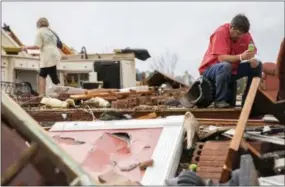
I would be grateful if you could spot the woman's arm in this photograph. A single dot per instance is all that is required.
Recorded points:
(38, 43)
(33, 47)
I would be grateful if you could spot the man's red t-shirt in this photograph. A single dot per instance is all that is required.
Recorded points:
(221, 44)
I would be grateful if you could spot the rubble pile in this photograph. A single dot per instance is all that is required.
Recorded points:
(221, 147)
(259, 159)
(163, 132)
(109, 98)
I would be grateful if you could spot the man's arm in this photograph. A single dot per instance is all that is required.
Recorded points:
(229, 58)
(245, 56)
(221, 48)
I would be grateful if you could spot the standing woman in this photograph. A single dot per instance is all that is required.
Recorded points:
(46, 42)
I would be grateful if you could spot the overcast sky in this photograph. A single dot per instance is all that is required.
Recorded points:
(183, 28)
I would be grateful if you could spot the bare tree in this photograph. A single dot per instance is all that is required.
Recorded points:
(165, 63)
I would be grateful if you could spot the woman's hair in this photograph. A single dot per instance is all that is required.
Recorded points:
(42, 22)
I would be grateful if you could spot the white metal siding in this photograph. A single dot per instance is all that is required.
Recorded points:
(128, 74)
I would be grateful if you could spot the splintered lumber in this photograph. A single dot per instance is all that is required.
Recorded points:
(89, 96)
(248, 146)
(105, 94)
(151, 115)
(33, 132)
(239, 131)
(110, 98)
(146, 164)
(100, 90)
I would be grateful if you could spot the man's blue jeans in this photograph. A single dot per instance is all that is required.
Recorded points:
(226, 85)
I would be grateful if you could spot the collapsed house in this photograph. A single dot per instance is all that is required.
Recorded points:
(122, 134)
(75, 69)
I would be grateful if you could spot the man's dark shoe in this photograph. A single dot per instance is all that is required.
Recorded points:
(221, 104)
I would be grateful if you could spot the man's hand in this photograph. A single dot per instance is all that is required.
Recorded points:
(253, 63)
(247, 55)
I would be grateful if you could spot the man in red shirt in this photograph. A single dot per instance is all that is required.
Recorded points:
(228, 59)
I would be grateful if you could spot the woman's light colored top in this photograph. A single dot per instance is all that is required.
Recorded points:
(47, 42)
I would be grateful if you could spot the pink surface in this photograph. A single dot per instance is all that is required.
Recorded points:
(99, 151)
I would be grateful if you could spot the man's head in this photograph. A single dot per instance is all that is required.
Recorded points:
(239, 26)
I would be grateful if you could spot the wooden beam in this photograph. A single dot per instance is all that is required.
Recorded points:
(239, 131)
(248, 146)
(31, 130)
(235, 143)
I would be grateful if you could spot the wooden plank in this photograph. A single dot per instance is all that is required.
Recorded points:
(252, 149)
(148, 116)
(91, 91)
(239, 131)
(31, 130)
(105, 94)
(236, 140)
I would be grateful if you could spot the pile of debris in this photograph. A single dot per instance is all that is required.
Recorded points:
(128, 151)
(128, 136)
(215, 152)
(212, 161)
(68, 97)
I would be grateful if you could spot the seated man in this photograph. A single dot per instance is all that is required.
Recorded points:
(228, 47)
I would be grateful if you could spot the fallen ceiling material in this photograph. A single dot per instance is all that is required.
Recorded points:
(156, 142)
(54, 115)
